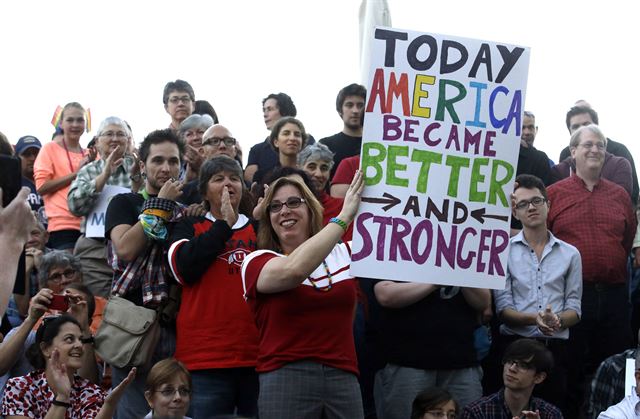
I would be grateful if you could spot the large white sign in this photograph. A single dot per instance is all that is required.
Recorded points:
(439, 153)
(95, 220)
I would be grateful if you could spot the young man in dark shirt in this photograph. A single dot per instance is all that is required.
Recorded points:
(526, 363)
(350, 106)
(136, 226)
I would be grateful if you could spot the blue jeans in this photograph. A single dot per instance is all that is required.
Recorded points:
(132, 404)
(224, 391)
(308, 390)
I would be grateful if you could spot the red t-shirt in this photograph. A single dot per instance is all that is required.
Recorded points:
(305, 323)
(346, 171)
(215, 328)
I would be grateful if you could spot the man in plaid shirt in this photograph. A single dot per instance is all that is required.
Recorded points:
(596, 216)
(526, 363)
(137, 224)
(607, 387)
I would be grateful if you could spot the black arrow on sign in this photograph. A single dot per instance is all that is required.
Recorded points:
(390, 201)
(479, 214)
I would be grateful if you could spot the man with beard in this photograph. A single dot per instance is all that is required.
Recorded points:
(350, 107)
(136, 226)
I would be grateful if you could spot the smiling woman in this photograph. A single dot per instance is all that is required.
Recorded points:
(303, 300)
(55, 168)
(168, 390)
(54, 390)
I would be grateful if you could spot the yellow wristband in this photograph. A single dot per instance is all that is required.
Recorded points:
(165, 215)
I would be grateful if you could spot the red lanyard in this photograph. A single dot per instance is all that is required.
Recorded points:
(64, 143)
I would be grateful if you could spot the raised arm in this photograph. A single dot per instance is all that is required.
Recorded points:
(284, 273)
(16, 222)
(401, 294)
(13, 345)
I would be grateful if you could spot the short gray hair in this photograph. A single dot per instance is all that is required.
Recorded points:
(113, 120)
(54, 259)
(315, 151)
(575, 137)
(195, 121)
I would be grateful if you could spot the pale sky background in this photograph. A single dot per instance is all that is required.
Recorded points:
(116, 56)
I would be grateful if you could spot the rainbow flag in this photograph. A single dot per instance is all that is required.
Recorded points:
(87, 116)
(57, 115)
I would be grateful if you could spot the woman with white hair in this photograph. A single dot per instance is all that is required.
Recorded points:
(115, 167)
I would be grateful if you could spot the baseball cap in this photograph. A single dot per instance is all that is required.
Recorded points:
(28, 141)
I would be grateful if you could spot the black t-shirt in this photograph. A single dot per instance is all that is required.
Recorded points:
(263, 155)
(343, 146)
(532, 161)
(35, 201)
(437, 332)
(123, 209)
(190, 194)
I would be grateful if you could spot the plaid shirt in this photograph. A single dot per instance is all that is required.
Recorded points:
(600, 223)
(82, 193)
(495, 407)
(607, 387)
(150, 271)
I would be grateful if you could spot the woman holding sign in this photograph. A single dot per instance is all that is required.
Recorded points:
(303, 299)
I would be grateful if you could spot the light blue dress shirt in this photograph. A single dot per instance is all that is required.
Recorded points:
(531, 284)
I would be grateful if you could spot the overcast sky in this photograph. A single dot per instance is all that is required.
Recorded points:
(116, 56)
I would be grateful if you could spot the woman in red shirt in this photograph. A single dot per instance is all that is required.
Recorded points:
(303, 300)
(217, 338)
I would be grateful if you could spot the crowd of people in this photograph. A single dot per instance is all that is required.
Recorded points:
(245, 273)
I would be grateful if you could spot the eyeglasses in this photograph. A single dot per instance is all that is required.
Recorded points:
(537, 201)
(441, 414)
(589, 146)
(215, 141)
(293, 202)
(183, 99)
(110, 134)
(170, 391)
(520, 365)
(57, 277)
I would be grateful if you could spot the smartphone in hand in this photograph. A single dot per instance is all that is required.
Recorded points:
(59, 302)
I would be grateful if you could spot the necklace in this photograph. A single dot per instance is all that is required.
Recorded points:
(66, 149)
(329, 277)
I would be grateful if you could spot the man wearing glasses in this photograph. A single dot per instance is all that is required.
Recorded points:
(216, 141)
(582, 114)
(542, 296)
(596, 216)
(179, 101)
(618, 166)
(526, 363)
